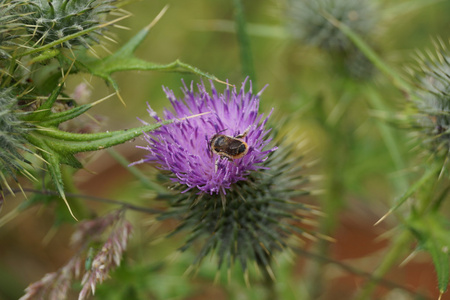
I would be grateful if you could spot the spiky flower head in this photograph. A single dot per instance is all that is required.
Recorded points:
(309, 21)
(432, 100)
(183, 148)
(8, 28)
(52, 20)
(260, 214)
(12, 131)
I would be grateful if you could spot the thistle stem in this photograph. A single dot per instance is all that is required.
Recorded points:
(332, 202)
(248, 68)
(138, 174)
(124, 204)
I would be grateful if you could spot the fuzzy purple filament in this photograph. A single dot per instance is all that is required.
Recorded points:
(183, 148)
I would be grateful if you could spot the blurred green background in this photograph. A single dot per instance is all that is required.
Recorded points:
(332, 112)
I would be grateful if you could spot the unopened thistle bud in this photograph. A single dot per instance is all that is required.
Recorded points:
(309, 23)
(48, 21)
(236, 191)
(432, 101)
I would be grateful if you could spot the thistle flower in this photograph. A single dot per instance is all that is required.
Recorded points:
(184, 148)
(261, 215)
(433, 101)
(48, 21)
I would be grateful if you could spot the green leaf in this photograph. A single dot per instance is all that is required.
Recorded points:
(248, 68)
(70, 143)
(431, 232)
(58, 147)
(45, 109)
(57, 118)
(125, 60)
(53, 165)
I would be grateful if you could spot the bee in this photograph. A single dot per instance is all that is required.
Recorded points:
(228, 146)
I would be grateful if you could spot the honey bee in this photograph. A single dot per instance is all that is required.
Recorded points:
(228, 146)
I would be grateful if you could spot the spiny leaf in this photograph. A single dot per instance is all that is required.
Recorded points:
(58, 147)
(124, 60)
(45, 109)
(432, 233)
(57, 118)
(53, 167)
(67, 142)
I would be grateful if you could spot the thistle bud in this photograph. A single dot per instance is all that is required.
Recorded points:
(309, 23)
(12, 141)
(48, 21)
(432, 99)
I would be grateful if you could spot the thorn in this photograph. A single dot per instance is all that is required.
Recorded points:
(110, 39)
(103, 99)
(270, 272)
(68, 206)
(113, 21)
(224, 200)
(408, 259)
(120, 98)
(326, 237)
(309, 236)
(157, 18)
(247, 279)
(224, 82)
(6, 184)
(121, 27)
(68, 72)
(193, 116)
(23, 192)
(216, 278)
(188, 270)
(9, 216)
(383, 217)
(90, 171)
(106, 49)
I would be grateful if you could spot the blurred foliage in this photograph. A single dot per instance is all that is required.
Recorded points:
(370, 160)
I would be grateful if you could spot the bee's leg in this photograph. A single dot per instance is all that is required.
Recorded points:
(216, 164)
(233, 160)
(243, 135)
